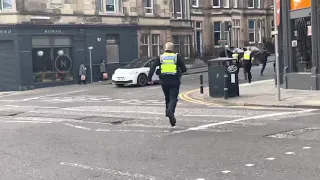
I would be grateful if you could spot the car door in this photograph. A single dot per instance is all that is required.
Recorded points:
(155, 77)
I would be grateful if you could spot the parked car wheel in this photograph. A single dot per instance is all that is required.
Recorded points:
(142, 80)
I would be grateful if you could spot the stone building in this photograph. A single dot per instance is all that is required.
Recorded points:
(239, 22)
(43, 42)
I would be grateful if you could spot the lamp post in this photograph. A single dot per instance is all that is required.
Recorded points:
(276, 45)
(90, 49)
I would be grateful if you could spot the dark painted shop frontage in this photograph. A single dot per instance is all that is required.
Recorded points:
(34, 56)
(299, 40)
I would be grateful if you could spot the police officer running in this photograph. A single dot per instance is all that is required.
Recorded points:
(170, 64)
(247, 64)
(236, 58)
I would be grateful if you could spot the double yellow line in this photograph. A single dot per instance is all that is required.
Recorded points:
(186, 97)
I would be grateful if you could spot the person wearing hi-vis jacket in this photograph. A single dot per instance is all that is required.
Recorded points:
(247, 63)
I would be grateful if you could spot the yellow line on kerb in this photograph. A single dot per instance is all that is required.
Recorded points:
(185, 96)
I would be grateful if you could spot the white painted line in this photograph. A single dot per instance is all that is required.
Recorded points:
(154, 113)
(109, 171)
(102, 130)
(249, 165)
(35, 122)
(203, 127)
(79, 127)
(200, 179)
(31, 107)
(226, 171)
(290, 153)
(271, 159)
(51, 95)
(306, 147)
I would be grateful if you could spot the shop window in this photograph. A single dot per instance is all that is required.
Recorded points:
(149, 45)
(144, 45)
(112, 48)
(155, 44)
(52, 59)
(6, 4)
(6, 45)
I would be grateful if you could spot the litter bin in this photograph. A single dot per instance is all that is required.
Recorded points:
(223, 78)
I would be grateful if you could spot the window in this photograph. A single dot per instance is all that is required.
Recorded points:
(217, 33)
(182, 45)
(144, 47)
(6, 4)
(254, 4)
(108, 6)
(177, 9)
(251, 28)
(195, 3)
(155, 44)
(149, 45)
(227, 32)
(52, 59)
(259, 31)
(251, 3)
(235, 3)
(225, 3)
(236, 33)
(112, 48)
(148, 6)
(216, 3)
(272, 25)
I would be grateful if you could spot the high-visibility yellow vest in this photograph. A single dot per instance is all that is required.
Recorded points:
(235, 56)
(168, 63)
(246, 55)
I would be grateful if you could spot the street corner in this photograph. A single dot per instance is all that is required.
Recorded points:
(195, 97)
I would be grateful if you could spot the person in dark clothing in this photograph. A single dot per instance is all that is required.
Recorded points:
(82, 73)
(264, 59)
(170, 70)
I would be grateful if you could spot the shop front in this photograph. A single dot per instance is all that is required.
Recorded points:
(41, 56)
(300, 45)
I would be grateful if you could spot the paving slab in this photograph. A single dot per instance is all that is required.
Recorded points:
(264, 93)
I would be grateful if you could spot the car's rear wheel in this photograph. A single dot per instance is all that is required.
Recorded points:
(120, 85)
(142, 80)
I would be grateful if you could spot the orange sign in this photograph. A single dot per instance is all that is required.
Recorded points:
(278, 12)
(300, 4)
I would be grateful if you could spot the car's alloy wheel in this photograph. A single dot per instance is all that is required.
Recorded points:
(142, 80)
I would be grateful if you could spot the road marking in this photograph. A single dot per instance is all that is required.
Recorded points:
(306, 147)
(271, 159)
(249, 165)
(51, 95)
(79, 127)
(226, 171)
(109, 171)
(125, 130)
(203, 127)
(290, 153)
(35, 122)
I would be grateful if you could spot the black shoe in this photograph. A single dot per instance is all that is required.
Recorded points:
(171, 118)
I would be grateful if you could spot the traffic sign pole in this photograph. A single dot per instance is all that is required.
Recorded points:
(276, 41)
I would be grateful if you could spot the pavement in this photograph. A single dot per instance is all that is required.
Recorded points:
(99, 131)
(263, 93)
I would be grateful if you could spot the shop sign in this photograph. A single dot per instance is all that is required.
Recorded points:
(300, 4)
(52, 31)
(5, 31)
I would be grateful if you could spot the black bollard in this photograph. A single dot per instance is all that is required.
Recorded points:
(226, 86)
(201, 83)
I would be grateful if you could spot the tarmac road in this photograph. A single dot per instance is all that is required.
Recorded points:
(102, 132)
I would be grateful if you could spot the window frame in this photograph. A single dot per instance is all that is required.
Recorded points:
(155, 44)
(148, 8)
(250, 31)
(235, 3)
(103, 7)
(227, 5)
(142, 42)
(179, 14)
(258, 5)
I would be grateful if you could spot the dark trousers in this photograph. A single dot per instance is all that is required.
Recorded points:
(247, 68)
(264, 64)
(171, 92)
(81, 81)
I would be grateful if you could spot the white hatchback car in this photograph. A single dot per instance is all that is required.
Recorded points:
(135, 73)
